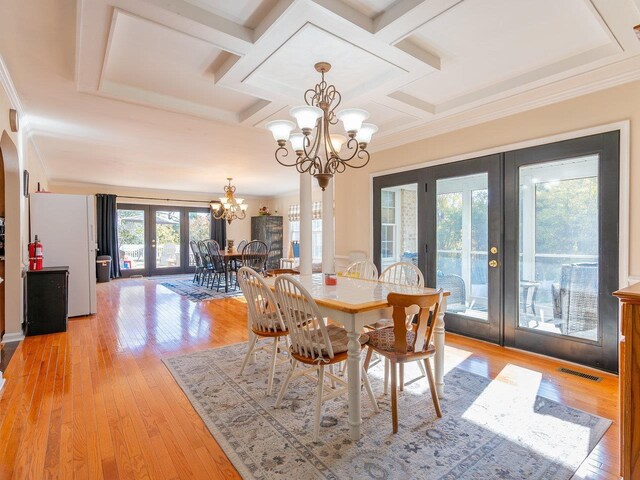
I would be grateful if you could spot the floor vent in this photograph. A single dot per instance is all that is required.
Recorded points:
(593, 378)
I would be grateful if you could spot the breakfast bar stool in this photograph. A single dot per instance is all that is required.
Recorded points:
(404, 342)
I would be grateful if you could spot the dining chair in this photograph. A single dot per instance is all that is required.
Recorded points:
(219, 270)
(403, 273)
(207, 265)
(195, 251)
(265, 319)
(254, 255)
(406, 274)
(364, 269)
(402, 343)
(315, 344)
(241, 245)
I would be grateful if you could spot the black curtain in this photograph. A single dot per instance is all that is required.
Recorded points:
(219, 231)
(107, 220)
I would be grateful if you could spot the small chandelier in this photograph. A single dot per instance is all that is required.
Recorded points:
(317, 150)
(229, 207)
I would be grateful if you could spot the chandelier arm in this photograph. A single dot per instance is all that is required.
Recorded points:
(283, 152)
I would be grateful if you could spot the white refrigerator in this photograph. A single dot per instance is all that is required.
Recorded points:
(66, 226)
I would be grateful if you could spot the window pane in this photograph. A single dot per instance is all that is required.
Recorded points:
(399, 224)
(559, 247)
(462, 214)
(167, 239)
(131, 228)
(199, 229)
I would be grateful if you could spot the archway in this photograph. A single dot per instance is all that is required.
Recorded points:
(13, 240)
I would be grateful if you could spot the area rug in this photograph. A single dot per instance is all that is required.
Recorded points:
(489, 429)
(183, 285)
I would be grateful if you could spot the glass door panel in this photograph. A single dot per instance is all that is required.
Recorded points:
(399, 225)
(199, 229)
(462, 243)
(132, 233)
(559, 272)
(166, 240)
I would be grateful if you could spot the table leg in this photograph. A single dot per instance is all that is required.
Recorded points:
(438, 340)
(354, 379)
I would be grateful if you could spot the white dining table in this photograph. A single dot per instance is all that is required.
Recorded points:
(354, 303)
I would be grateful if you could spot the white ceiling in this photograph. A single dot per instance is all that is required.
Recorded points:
(174, 94)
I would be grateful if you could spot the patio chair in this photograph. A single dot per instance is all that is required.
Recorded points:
(454, 284)
(575, 299)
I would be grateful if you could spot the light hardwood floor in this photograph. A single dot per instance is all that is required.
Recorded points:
(97, 402)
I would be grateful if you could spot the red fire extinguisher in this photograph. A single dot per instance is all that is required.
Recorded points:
(35, 255)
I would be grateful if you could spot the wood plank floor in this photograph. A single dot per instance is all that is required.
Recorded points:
(97, 402)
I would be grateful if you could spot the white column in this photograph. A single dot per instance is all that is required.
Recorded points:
(306, 215)
(328, 236)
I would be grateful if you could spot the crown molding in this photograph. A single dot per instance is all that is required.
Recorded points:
(517, 104)
(9, 88)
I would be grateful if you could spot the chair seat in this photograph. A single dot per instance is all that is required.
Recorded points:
(339, 343)
(384, 340)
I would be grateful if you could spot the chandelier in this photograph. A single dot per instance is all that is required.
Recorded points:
(229, 207)
(317, 150)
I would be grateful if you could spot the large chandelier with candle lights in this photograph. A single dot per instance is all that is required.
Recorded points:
(229, 207)
(316, 149)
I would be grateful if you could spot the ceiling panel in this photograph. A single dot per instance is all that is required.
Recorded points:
(244, 12)
(290, 69)
(482, 42)
(151, 57)
(370, 8)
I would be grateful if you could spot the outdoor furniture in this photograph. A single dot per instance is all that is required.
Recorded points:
(355, 303)
(575, 299)
(316, 345)
(265, 319)
(362, 269)
(404, 342)
(457, 301)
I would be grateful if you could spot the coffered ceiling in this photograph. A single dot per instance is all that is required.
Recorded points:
(175, 93)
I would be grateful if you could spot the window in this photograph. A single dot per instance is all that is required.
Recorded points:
(316, 228)
(388, 230)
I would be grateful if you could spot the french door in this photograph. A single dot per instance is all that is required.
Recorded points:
(526, 242)
(154, 240)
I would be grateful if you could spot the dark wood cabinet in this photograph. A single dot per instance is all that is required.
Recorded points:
(46, 295)
(268, 229)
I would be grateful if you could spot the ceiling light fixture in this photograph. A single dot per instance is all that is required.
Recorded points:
(317, 149)
(229, 207)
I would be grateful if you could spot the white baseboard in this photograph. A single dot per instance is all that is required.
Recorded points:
(12, 337)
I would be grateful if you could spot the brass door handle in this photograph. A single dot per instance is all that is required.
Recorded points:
(493, 263)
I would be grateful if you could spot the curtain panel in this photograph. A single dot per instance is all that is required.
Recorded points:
(107, 226)
(316, 212)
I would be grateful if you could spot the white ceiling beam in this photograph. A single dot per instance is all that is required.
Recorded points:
(347, 12)
(413, 102)
(618, 19)
(407, 46)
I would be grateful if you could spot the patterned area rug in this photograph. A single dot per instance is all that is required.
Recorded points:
(489, 429)
(184, 286)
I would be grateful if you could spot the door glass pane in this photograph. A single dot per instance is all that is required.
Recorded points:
(462, 243)
(199, 229)
(167, 239)
(399, 225)
(559, 247)
(131, 228)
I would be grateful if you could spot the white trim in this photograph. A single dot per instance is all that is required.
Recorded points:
(12, 337)
(623, 126)
(7, 83)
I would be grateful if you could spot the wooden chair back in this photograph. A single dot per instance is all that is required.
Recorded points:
(307, 330)
(254, 255)
(403, 273)
(428, 306)
(217, 261)
(364, 269)
(264, 314)
(204, 255)
(195, 250)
